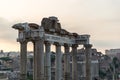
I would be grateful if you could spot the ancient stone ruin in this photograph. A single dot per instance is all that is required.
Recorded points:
(48, 33)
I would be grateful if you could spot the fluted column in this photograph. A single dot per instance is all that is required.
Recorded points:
(39, 59)
(47, 61)
(74, 62)
(58, 63)
(23, 60)
(66, 62)
(88, 61)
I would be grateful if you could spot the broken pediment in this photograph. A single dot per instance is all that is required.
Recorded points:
(51, 24)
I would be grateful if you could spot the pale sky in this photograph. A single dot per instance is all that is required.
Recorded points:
(99, 18)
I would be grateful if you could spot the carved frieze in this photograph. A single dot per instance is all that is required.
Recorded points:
(51, 24)
(50, 30)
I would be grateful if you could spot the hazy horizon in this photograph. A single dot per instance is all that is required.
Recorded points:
(99, 18)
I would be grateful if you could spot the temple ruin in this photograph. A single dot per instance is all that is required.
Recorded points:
(49, 33)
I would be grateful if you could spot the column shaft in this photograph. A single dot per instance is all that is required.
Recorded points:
(39, 59)
(58, 63)
(47, 62)
(74, 63)
(34, 62)
(23, 61)
(88, 61)
(67, 63)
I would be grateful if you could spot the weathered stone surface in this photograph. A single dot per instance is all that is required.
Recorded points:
(67, 62)
(50, 31)
(58, 62)
(51, 24)
(33, 26)
(47, 61)
(23, 60)
(39, 59)
(88, 61)
(74, 62)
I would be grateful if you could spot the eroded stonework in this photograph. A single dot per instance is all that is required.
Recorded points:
(49, 31)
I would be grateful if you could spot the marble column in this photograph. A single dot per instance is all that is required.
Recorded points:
(38, 59)
(58, 63)
(88, 61)
(74, 62)
(66, 62)
(34, 61)
(23, 60)
(47, 61)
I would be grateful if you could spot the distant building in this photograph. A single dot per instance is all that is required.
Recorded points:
(95, 58)
(2, 53)
(113, 53)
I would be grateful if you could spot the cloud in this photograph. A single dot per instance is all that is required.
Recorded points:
(99, 18)
(7, 36)
(6, 31)
(104, 32)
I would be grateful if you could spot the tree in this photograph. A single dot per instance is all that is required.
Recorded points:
(5, 58)
(53, 57)
(114, 66)
(102, 74)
